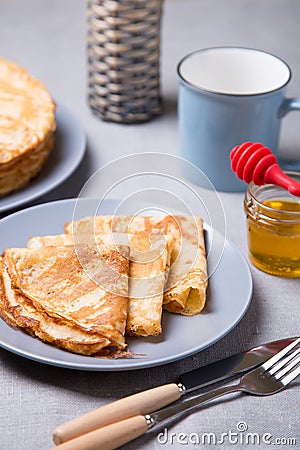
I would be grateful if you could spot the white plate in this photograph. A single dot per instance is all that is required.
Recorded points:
(63, 160)
(229, 295)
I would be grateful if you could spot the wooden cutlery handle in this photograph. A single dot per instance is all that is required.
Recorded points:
(138, 404)
(110, 437)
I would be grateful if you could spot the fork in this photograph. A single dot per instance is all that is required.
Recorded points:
(271, 377)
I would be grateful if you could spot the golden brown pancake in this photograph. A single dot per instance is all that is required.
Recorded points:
(148, 270)
(18, 311)
(148, 275)
(47, 292)
(83, 291)
(27, 126)
(185, 290)
(187, 283)
(4, 310)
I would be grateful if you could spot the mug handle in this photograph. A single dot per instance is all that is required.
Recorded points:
(289, 104)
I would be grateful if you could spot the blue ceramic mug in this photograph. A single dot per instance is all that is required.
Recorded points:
(227, 96)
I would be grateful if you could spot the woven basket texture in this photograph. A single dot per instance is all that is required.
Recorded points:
(123, 50)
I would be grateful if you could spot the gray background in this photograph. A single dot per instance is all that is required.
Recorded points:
(48, 38)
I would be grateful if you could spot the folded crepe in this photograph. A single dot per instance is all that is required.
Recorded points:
(47, 292)
(148, 269)
(185, 290)
(187, 282)
(18, 311)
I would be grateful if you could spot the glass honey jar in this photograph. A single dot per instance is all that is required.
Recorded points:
(273, 227)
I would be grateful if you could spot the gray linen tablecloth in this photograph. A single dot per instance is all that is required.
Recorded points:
(48, 38)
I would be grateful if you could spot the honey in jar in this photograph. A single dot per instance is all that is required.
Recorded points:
(273, 226)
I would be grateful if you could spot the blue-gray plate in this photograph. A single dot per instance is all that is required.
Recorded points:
(229, 295)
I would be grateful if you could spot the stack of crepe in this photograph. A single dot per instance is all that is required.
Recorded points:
(105, 277)
(27, 126)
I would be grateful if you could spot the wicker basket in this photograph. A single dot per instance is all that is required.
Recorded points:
(123, 49)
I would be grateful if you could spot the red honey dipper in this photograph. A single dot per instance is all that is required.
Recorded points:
(255, 162)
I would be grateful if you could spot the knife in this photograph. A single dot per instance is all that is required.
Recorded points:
(153, 399)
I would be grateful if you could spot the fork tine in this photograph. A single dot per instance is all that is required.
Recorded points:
(287, 368)
(283, 362)
(290, 377)
(270, 362)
